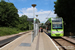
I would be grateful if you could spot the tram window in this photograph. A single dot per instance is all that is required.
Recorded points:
(49, 26)
(57, 26)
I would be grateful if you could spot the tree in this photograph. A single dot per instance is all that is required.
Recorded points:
(43, 25)
(23, 23)
(8, 14)
(66, 10)
(2, 0)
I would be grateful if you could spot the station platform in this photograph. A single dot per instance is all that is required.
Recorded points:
(41, 42)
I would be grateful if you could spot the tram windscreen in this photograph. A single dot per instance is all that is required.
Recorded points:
(57, 23)
(57, 26)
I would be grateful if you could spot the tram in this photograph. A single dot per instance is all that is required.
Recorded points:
(55, 27)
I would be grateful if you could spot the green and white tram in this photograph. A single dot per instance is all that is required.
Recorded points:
(55, 27)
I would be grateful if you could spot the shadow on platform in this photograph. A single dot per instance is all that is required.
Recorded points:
(25, 44)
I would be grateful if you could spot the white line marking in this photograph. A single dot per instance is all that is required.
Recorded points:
(53, 42)
(11, 42)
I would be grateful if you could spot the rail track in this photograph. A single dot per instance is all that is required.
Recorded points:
(64, 44)
(8, 40)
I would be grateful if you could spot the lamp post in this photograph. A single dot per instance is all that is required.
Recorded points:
(36, 15)
(33, 35)
(33, 5)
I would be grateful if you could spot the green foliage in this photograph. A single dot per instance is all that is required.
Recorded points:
(9, 19)
(8, 14)
(30, 26)
(66, 10)
(10, 22)
(23, 23)
(8, 31)
(2, 0)
(43, 25)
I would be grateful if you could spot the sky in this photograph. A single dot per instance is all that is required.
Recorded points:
(44, 8)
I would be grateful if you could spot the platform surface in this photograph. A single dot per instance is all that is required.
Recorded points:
(41, 42)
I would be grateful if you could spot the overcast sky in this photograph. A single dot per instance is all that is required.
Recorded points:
(44, 8)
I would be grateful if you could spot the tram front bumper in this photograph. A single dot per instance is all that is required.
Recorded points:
(57, 35)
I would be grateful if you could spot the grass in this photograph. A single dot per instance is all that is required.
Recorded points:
(8, 31)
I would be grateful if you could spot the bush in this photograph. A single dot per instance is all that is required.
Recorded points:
(8, 31)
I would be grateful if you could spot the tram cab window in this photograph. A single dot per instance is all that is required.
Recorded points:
(49, 26)
(57, 26)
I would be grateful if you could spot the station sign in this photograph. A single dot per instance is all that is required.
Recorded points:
(34, 19)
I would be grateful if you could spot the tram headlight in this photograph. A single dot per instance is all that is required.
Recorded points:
(61, 32)
(53, 32)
